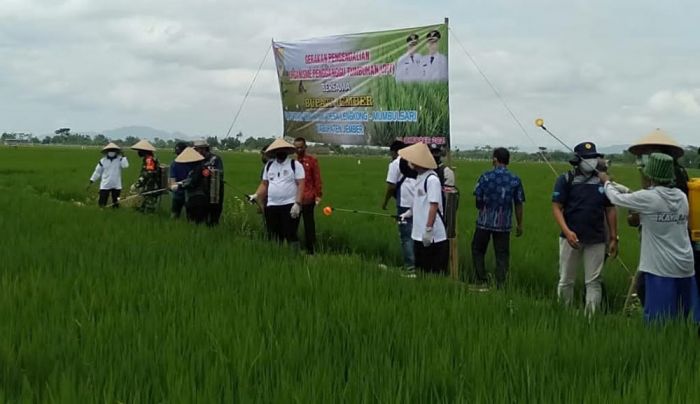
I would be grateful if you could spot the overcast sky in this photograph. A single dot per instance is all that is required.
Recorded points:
(608, 71)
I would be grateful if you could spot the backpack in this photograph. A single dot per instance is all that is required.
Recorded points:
(439, 211)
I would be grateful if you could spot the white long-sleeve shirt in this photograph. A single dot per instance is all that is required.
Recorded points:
(663, 213)
(109, 172)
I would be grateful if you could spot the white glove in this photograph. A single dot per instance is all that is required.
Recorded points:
(252, 198)
(175, 187)
(621, 188)
(428, 236)
(406, 215)
(132, 188)
(296, 211)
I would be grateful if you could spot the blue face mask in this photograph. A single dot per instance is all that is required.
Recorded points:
(111, 154)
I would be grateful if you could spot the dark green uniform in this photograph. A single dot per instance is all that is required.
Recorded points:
(149, 181)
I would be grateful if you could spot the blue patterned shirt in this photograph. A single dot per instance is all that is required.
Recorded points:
(496, 192)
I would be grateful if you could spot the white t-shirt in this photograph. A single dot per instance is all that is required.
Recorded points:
(109, 172)
(435, 67)
(394, 176)
(663, 213)
(409, 68)
(282, 181)
(421, 207)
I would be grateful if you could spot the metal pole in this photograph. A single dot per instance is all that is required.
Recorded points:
(454, 253)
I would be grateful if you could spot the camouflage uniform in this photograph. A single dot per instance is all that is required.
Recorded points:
(149, 180)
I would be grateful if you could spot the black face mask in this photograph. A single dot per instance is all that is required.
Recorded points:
(142, 154)
(281, 156)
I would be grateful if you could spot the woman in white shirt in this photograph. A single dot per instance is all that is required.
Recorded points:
(109, 172)
(430, 245)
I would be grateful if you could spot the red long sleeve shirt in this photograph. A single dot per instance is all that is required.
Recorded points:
(312, 179)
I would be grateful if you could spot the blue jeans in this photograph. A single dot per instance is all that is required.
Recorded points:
(405, 230)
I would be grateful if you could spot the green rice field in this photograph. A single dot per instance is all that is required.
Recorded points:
(112, 306)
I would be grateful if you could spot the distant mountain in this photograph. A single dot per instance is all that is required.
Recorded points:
(615, 149)
(143, 132)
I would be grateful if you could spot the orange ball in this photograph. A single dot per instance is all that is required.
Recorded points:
(327, 211)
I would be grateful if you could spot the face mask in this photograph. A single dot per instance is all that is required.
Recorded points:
(588, 166)
(111, 154)
(281, 156)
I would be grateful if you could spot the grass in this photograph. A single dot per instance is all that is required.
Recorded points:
(112, 306)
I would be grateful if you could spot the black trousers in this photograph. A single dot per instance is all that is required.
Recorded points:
(501, 247)
(280, 225)
(307, 212)
(197, 209)
(214, 213)
(178, 203)
(432, 259)
(104, 195)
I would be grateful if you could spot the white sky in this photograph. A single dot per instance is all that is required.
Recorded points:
(600, 70)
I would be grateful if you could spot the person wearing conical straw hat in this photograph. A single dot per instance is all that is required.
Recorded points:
(430, 245)
(666, 256)
(109, 172)
(216, 166)
(283, 184)
(195, 186)
(150, 178)
(658, 141)
(178, 173)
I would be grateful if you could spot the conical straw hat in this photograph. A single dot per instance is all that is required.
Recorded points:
(419, 155)
(189, 155)
(111, 146)
(143, 145)
(280, 144)
(657, 140)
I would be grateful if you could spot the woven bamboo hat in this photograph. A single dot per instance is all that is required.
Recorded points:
(189, 155)
(111, 146)
(280, 145)
(419, 155)
(659, 168)
(657, 141)
(143, 145)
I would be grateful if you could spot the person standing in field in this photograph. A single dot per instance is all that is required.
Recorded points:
(659, 142)
(313, 191)
(109, 172)
(216, 168)
(445, 173)
(178, 173)
(149, 182)
(428, 230)
(195, 186)
(498, 192)
(401, 188)
(283, 183)
(581, 210)
(666, 256)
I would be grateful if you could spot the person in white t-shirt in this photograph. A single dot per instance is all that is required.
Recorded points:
(109, 172)
(283, 184)
(430, 246)
(400, 187)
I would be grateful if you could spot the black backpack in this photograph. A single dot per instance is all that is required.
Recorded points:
(294, 166)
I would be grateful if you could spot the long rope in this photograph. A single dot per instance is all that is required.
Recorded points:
(503, 101)
(247, 93)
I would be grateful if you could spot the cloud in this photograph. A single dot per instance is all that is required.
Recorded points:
(588, 67)
(683, 101)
